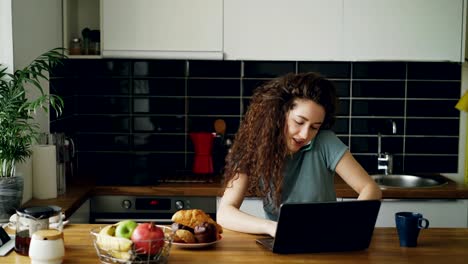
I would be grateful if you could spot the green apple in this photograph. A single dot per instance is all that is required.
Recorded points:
(125, 228)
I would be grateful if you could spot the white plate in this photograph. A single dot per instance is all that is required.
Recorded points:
(195, 245)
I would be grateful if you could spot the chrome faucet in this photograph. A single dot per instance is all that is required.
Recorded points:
(385, 160)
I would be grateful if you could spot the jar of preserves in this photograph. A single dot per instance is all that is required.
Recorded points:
(75, 47)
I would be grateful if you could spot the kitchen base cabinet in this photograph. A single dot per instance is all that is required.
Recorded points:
(440, 213)
(251, 205)
(81, 216)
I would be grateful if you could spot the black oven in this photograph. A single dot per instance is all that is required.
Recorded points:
(158, 209)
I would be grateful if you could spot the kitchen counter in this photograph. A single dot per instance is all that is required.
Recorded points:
(78, 193)
(436, 245)
(451, 190)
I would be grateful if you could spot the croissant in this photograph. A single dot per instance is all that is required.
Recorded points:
(184, 236)
(194, 217)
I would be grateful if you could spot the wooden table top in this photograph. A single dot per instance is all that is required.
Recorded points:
(435, 245)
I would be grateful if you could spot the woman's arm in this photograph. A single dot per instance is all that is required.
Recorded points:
(355, 176)
(229, 216)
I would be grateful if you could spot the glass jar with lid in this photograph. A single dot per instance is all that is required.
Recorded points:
(75, 47)
(31, 219)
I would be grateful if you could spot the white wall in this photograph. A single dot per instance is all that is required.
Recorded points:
(6, 43)
(37, 27)
(27, 29)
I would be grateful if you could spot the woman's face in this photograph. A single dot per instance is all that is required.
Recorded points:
(302, 123)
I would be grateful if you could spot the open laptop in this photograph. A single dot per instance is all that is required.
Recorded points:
(324, 227)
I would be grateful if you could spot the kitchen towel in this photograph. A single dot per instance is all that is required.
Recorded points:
(24, 169)
(44, 172)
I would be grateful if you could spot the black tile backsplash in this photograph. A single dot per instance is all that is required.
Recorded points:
(213, 69)
(434, 71)
(431, 89)
(379, 70)
(379, 89)
(213, 87)
(159, 87)
(328, 69)
(102, 86)
(160, 68)
(432, 126)
(131, 118)
(377, 107)
(159, 124)
(431, 107)
(159, 105)
(268, 69)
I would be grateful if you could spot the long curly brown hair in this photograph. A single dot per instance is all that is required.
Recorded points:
(259, 148)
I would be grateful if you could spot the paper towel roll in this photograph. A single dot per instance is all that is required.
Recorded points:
(44, 172)
(24, 169)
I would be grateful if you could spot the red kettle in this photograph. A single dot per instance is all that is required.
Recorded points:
(203, 144)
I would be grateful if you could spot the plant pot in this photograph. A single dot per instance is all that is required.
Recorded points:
(11, 195)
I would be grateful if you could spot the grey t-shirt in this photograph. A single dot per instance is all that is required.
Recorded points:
(309, 173)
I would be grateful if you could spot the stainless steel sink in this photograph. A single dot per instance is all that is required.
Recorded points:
(408, 181)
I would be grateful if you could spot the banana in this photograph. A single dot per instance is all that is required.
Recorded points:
(117, 247)
(120, 255)
(108, 230)
(106, 242)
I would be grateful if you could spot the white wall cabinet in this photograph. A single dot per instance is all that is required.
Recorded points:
(350, 30)
(422, 30)
(177, 29)
(283, 30)
(440, 213)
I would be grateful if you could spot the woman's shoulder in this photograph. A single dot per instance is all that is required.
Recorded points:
(327, 139)
(326, 135)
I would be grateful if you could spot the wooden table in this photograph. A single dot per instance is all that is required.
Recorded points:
(436, 245)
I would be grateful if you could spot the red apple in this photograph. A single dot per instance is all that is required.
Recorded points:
(148, 238)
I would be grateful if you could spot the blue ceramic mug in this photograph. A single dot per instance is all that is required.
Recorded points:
(408, 225)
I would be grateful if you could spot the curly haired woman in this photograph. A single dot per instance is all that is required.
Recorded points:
(284, 152)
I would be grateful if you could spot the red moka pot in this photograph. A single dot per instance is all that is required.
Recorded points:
(203, 160)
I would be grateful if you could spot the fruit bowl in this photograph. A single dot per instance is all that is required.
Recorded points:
(110, 251)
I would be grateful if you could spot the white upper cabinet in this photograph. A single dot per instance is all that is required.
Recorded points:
(422, 30)
(180, 29)
(283, 30)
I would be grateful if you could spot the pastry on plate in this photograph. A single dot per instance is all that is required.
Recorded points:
(198, 223)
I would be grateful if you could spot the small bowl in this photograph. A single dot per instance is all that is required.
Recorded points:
(132, 256)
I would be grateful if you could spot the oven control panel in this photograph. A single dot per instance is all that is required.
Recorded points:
(111, 208)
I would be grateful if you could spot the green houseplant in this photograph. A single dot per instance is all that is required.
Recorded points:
(18, 131)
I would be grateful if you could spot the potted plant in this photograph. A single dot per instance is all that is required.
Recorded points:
(18, 131)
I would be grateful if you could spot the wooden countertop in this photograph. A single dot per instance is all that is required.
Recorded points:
(451, 190)
(78, 193)
(436, 245)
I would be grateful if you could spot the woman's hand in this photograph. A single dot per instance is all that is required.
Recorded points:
(271, 228)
